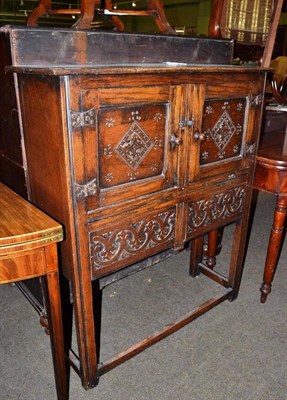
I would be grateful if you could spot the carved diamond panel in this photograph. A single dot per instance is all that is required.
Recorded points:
(131, 143)
(223, 131)
(223, 124)
(134, 146)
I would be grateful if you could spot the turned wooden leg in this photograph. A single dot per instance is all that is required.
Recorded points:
(43, 7)
(160, 17)
(274, 246)
(54, 313)
(211, 248)
(195, 255)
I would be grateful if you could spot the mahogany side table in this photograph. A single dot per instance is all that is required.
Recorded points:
(28, 249)
(271, 177)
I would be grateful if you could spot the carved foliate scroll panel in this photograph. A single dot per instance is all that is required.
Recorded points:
(131, 241)
(218, 207)
(131, 143)
(223, 126)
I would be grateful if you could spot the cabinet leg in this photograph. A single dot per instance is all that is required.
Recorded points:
(195, 255)
(274, 246)
(85, 326)
(211, 248)
(54, 313)
(238, 253)
(67, 316)
(97, 305)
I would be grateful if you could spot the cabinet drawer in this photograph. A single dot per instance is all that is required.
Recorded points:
(128, 240)
(220, 206)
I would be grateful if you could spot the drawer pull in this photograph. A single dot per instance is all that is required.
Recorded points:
(175, 141)
(199, 136)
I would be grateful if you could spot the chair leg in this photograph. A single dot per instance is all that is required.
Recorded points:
(88, 8)
(114, 19)
(43, 7)
(274, 246)
(160, 17)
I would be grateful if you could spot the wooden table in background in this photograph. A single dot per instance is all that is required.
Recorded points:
(28, 249)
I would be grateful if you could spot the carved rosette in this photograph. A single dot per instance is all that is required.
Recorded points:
(131, 240)
(222, 205)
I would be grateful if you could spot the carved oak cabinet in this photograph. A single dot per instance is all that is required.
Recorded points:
(137, 162)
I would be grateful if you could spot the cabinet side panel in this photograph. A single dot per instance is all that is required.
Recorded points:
(45, 134)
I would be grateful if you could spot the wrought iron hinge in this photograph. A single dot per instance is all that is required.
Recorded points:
(186, 124)
(256, 100)
(88, 189)
(81, 119)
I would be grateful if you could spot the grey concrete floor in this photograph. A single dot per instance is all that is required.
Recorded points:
(236, 351)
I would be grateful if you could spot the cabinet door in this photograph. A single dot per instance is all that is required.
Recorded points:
(223, 127)
(223, 124)
(125, 141)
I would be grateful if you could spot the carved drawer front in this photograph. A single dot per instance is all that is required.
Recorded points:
(210, 211)
(122, 141)
(223, 125)
(129, 240)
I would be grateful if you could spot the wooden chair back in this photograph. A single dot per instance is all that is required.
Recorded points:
(251, 23)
